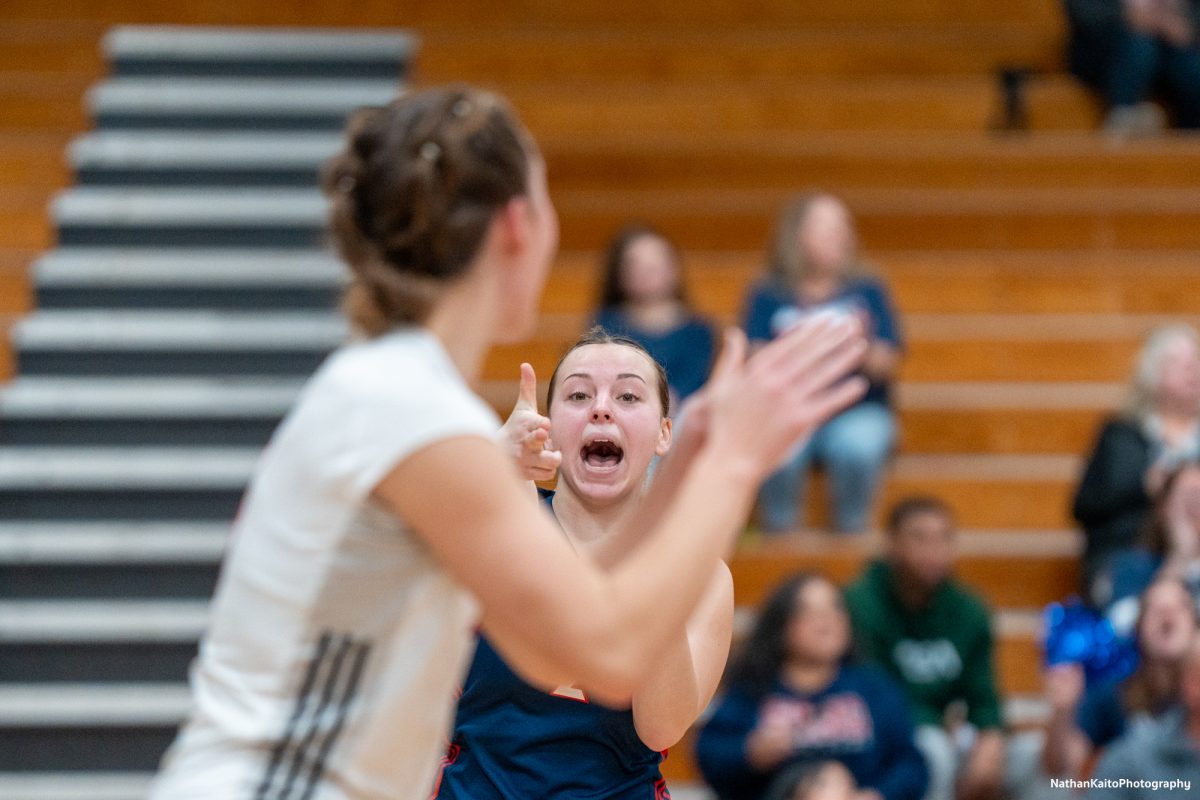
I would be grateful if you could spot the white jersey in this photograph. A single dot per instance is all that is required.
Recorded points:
(336, 642)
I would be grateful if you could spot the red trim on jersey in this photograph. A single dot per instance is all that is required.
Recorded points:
(451, 756)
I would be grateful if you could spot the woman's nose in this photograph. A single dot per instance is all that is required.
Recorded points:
(601, 412)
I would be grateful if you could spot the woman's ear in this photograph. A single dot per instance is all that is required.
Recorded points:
(511, 226)
(664, 437)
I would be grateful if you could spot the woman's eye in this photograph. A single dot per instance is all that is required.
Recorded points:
(577, 396)
(628, 397)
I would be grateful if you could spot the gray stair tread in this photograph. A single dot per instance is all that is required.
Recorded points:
(190, 42)
(91, 621)
(116, 398)
(71, 705)
(132, 149)
(161, 330)
(249, 96)
(112, 543)
(204, 468)
(242, 208)
(74, 786)
(217, 267)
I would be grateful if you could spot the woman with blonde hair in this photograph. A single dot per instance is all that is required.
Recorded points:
(814, 268)
(1158, 433)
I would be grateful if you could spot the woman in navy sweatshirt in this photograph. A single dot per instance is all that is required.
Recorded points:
(791, 698)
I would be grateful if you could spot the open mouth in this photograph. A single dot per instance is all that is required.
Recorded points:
(602, 453)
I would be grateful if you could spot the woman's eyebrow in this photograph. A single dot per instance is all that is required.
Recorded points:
(631, 375)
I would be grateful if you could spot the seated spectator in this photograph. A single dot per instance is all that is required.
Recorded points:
(822, 780)
(1084, 720)
(1165, 749)
(642, 297)
(1170, 547)
(1129, 49)
(934, 636)
(814, 266)
(1136, 451)
(792, 699)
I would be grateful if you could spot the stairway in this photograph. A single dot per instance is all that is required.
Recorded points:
(188, 298)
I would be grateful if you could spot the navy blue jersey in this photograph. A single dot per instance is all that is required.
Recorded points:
(512, 741)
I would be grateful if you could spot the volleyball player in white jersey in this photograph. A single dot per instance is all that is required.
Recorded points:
(383, 520)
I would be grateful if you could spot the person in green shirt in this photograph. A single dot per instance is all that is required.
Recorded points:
(934, 636)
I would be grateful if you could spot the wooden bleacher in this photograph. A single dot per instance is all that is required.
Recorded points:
(1027, 267)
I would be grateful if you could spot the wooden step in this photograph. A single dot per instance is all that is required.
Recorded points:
(636, 15)
(43, 101)
(26, 221)
(999, 430)
(903, 219)
(984, 281)
(706, 53)
(1047, 562)
(972, 103)
(787, 159)
(16, 290)
(33, 160)
(51, 46)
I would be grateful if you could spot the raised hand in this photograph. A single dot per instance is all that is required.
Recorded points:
(761, 407)
(526, 433)
(1064, 685)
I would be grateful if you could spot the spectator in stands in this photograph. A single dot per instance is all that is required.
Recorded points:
(792, 699)
(1129, 49)
(822, 780)
(1083, 719)
(1170, 547)
(814, 267)
(642, 297)
(1134, 453)
(934, 636)
(1166, 749)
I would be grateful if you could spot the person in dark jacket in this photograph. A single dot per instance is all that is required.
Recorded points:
(1134, 453)
(1130, 50)
(792, 699)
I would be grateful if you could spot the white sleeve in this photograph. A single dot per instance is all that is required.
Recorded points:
(383, 427)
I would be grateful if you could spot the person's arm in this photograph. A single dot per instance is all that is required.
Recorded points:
(983, 773)
(1066, 747)
(558, 618)
(686, 675)
(883, 356)
(984, 768)
(724, 744)
(1115, 478)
